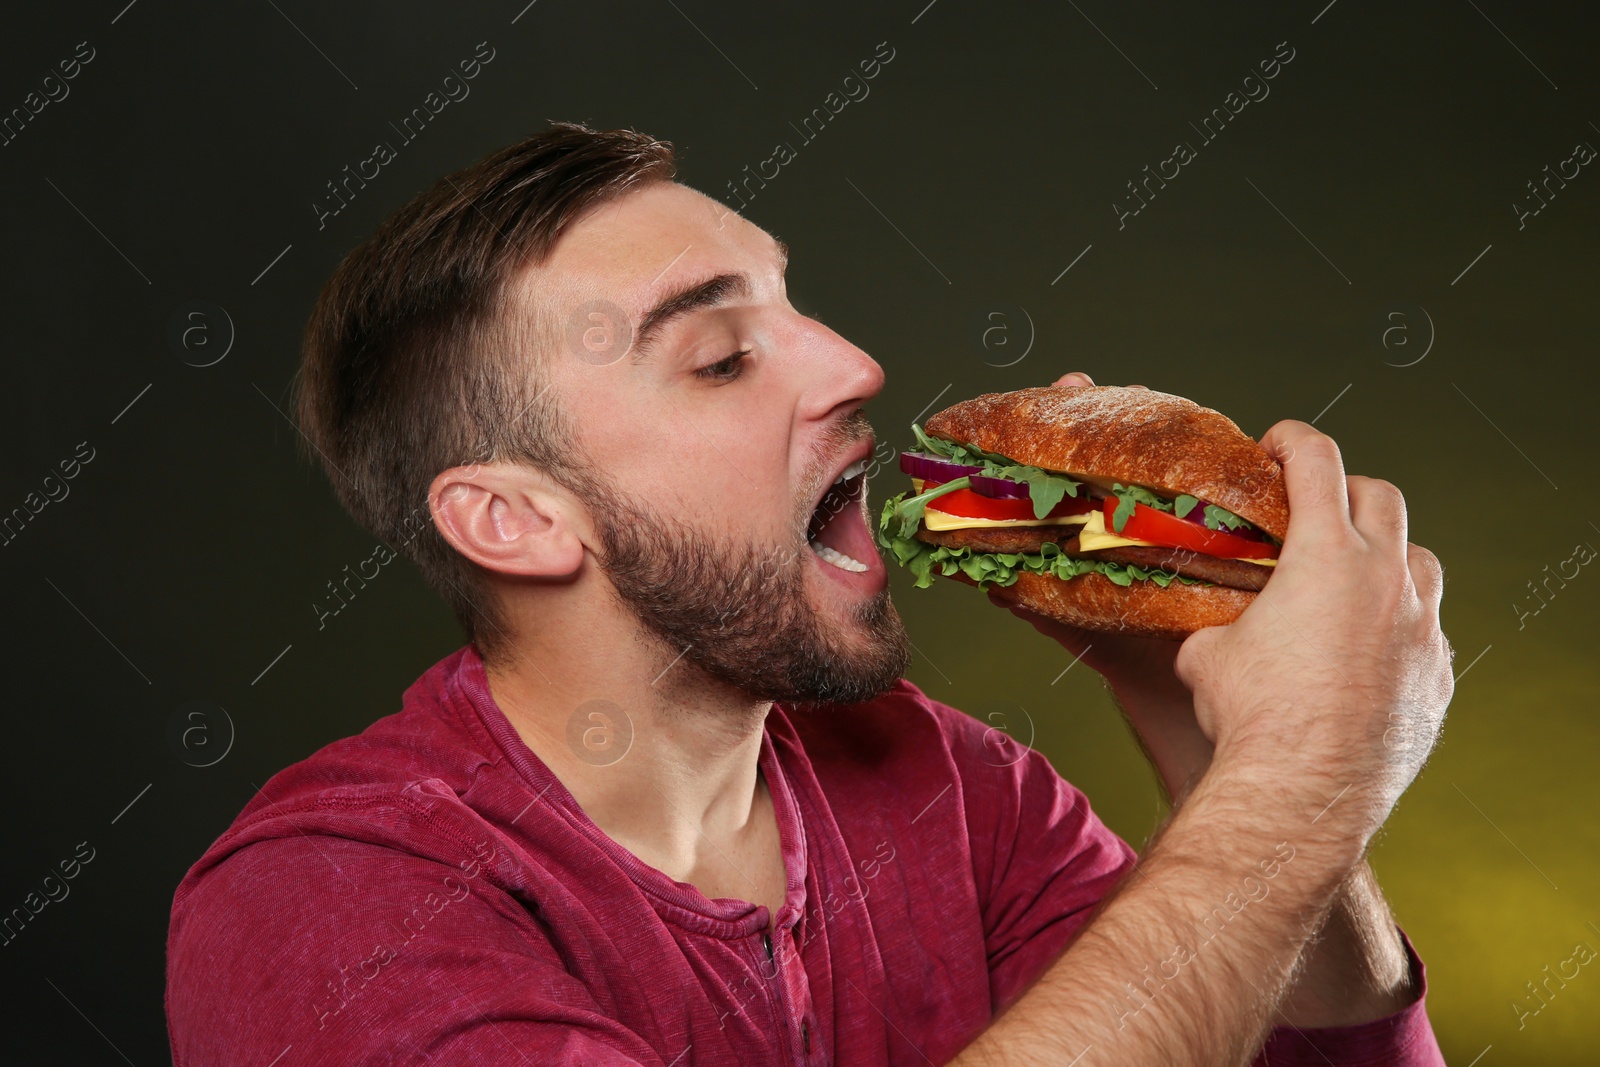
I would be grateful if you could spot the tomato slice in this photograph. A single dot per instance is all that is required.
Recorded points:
(1163, 528)
(969, 505)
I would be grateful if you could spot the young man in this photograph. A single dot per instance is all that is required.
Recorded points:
(674, 803)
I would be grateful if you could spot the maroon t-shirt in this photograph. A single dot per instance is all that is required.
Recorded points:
(428, 892)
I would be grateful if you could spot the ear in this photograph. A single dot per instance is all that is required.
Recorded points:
(508, 519)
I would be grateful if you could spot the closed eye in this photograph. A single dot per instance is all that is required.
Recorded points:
(725, 369)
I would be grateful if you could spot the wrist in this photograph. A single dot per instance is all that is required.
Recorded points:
(1324, 815)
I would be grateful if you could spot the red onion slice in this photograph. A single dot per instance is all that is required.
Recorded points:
(999, 488)
(934, 468)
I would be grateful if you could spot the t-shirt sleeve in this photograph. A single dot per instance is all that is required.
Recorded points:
(355, 953)
(1041, 858)
(1404, 1039)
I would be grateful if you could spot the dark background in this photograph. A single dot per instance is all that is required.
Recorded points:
(1384, 164)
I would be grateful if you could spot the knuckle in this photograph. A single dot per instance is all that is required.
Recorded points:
(1319, 446)
(1387, 492)
(1424, 565)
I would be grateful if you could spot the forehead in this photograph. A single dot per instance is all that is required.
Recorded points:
(639, 243)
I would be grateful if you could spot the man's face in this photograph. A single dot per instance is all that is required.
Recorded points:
(719, 426)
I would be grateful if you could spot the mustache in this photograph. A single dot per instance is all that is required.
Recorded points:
(836, 438)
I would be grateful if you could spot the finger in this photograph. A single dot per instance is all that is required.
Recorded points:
(1427, 575)
(1074, 378)
(1146, 388)
(1313, 474)
(1378, 511)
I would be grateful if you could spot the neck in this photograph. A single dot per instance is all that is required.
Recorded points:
(662, 758)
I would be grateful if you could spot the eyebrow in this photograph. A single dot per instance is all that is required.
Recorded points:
(700, 295)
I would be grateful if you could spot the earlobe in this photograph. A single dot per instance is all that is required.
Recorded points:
(505, 519)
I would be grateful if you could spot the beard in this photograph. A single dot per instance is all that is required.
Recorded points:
(739, 611)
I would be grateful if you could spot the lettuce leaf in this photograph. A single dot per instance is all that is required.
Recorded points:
(927, 561)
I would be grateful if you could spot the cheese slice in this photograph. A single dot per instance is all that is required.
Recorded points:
(1094, 536)
(935, 519)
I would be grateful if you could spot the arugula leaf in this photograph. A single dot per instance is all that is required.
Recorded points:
(968, 454)
(909, 512)
(1045, 488)
(1142, 495)
(1185, 504)
(1130, 495)
(1217, 518)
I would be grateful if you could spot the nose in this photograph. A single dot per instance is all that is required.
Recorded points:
(840, 377)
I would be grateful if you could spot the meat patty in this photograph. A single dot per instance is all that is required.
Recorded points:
(1233, 573)
(1001, 538)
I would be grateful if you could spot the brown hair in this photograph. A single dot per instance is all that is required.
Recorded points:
(416, 360)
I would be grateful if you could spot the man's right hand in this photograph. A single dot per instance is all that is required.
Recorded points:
(1339, 655)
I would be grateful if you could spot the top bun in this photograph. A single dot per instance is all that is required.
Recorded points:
(1111, 434)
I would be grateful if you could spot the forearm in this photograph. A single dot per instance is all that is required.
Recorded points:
(1354, 969)
(1187, 961)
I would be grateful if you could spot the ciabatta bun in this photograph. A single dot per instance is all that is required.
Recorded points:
(1109, 434)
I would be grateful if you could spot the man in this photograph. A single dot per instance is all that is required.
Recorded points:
(674, 804)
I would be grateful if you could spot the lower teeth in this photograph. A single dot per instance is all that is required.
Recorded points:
(837, 558)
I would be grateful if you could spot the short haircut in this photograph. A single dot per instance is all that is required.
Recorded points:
(416, 359)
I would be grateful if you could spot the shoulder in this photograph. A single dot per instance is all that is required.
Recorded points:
(409, 794)
(435, 735)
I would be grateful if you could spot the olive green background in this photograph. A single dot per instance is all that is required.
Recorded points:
(931, 223)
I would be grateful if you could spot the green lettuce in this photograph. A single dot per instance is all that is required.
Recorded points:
(926, 561)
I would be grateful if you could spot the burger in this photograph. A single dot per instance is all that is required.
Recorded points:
(1111, 509)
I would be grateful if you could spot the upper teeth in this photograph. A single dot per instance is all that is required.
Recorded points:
(851, 471)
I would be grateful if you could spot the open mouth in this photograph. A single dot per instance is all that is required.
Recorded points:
(837, 531)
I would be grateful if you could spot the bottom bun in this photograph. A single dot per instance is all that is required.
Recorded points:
(1143, 609)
